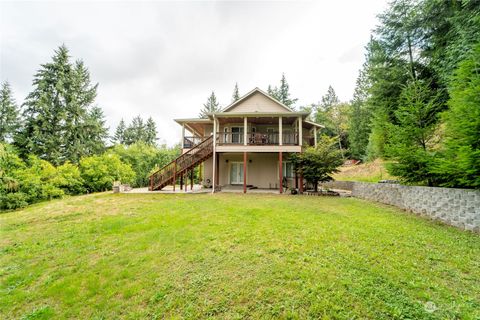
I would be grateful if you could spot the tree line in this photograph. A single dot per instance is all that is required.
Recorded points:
(56, 142)
(417, 96)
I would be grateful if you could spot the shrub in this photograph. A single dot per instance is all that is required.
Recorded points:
(99, 172)
(38, 180)
(13, 201)
(143, 158)
(68, 178)
(318, 164)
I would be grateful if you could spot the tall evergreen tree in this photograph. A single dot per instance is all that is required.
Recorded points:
(135, 132)
(58, 113)
(459, 164)
(96, 131)
(119, 135)
(282, 93)
(84, 123)
(150, 132)
(210, 106)
(412, 141)
(360, 118)
(334, 116)
(329, 100)
(44, 110)
(235, 95)
(273, 92)
(324, 111)
(9, 113)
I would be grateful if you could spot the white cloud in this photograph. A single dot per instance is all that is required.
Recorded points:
(162, 59)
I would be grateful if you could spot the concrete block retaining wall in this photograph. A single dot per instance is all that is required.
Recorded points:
(456, 207)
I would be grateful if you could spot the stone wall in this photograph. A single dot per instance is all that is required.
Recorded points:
(456, 207)
(343, 185)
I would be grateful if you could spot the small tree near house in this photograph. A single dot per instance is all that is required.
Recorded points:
(319, 163)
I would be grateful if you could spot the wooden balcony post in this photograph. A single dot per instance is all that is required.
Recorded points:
(217, 181)
(214, 160)
(183, 136)
(315, 136)
(191, 180)
(280, 130)
(174, 174)
(244, 172)
(280, 170)
(181, 182)
(245, 124)
(300, 131)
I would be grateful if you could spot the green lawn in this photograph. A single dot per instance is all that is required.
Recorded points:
(231, 256)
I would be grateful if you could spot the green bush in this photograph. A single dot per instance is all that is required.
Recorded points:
(10, 198)
(11, 201)
(68, 178)
(99, 172)
(38, 180)
(143, 158)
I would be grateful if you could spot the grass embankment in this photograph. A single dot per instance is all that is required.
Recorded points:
(232, 256)
(366, 172)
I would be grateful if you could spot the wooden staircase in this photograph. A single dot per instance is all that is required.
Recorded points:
(184, 163)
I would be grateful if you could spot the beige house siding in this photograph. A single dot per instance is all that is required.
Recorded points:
(262, 171)
(257, 102)
(207, 172)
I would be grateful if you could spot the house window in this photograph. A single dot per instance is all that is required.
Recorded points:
(237, 134)
(287, 170)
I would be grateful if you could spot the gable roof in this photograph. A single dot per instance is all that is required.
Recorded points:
(251, 93)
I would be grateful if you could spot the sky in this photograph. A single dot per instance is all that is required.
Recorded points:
(163, 59)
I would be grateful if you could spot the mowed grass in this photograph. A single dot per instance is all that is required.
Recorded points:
(232, 256)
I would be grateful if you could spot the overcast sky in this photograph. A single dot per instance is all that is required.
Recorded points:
(162, 59)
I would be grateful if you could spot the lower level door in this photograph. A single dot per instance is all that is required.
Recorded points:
(236, 173)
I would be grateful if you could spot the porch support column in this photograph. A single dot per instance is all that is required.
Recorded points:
(280, 170)
(181, 182)
(300, 138)
(174, 174)
(186, 180)
(300, 189)
(183, 136)
(191, 180)
(245, 172)
(245, 124)
(280, 131)
(217, 174)
(315, 136)
(214, 160)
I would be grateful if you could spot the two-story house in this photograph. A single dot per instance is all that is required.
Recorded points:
(246, 145)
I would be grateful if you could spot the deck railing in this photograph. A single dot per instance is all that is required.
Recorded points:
(257, 138)
(190, 142)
